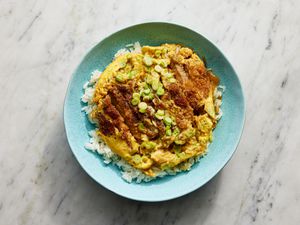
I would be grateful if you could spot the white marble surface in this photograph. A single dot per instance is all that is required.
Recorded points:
(42, 42)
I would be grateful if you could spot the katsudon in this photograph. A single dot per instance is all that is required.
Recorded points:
(155, 108)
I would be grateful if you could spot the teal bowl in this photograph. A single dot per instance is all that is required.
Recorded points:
(226, 134)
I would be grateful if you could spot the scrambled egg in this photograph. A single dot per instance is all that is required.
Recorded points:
(156, 109)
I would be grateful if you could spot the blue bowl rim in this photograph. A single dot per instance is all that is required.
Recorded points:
(200, 184)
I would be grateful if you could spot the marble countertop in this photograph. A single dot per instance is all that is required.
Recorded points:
(41, 44)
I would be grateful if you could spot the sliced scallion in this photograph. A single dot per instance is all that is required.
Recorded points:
(148, 97)
(135, 101)
(146, 91)
(160, 91)
(168, 132)
(160, 114)
(155, 84)
(167, 120)
(142, 107)
(164, 62)
(120, 78)
(158, 68)
(135, 95)
(148, 60)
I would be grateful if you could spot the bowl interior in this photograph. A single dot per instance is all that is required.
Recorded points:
(226, 134)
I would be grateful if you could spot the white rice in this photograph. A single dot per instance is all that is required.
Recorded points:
(134, 48)
(129, 173)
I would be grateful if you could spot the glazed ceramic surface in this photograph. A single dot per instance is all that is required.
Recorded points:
(226, 134)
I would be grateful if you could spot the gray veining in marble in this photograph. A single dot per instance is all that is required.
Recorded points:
(42, 42)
